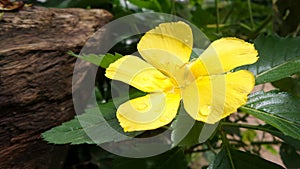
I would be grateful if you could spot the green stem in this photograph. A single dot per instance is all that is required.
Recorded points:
(158, 6)
(227, 15)
(126, 5)
(248, 126)
(211, 148)
(227, 147)
(260, 27)
(173, 8)
(204, 150)
(265, 142)
(250, 13)
(218, 15)
(254, 142)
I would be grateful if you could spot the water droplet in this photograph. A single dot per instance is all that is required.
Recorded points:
(160, 77)
(205, 110)
(142, 106)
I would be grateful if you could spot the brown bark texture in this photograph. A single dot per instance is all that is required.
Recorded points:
(36, 79)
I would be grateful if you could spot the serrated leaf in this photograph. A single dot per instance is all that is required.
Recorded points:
(278, 109)
(92, 122)
(278, 58)
(69, 132)
(99, 60)
(169, 160)
(241, 160)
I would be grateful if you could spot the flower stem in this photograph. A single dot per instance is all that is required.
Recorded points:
(218, 15)
(250, 13)
(227, 146)
(248, 126)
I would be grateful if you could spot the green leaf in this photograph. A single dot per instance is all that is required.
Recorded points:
(287, 139)
(278, 58)
(99, 60)
(68, 132)
(241, 160)
(289, 84)
(278, 109)
(183, 124)
(196, 52)
(74, 131)
(188, 132)
(201, 17)
(289, 156)
(172, 159)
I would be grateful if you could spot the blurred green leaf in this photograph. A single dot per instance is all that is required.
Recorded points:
(97, 121)
(248, 136)
(100, 60)
(270, 148)
(278, 109)
(201, 17)
(1, 15)
(242, 160)
(148, 4)
(289, 156)
(278, 58)
(169, 160)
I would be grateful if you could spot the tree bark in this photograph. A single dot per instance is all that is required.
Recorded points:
(36, 77)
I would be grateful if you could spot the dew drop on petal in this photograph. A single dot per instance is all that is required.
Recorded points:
(145, 78)
(205, 110)
(160, 77)
(142, 106)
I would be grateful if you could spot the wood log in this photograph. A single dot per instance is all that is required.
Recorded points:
(36, 79)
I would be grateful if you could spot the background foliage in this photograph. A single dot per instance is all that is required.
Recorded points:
(238, 142)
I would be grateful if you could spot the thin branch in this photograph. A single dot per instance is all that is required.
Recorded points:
(227, 147)
(248, 126)
(218, 15)
(250, 13)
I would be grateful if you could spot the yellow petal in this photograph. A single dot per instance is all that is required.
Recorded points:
(167, 46)
(224, 55)
(212, 98)
(148, 112)
(139, 74)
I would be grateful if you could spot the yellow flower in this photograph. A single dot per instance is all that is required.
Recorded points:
(208, 90)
